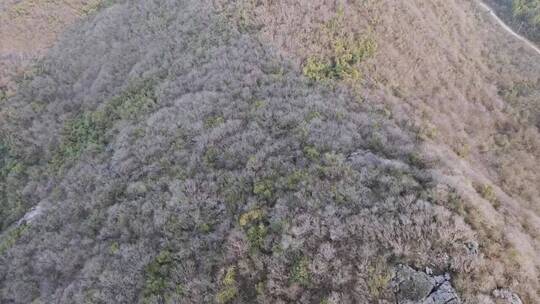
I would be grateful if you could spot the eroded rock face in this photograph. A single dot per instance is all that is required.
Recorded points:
(417, 287)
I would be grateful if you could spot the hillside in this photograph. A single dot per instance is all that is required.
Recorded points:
(271, 152)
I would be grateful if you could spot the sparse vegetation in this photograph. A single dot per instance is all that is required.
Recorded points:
(264, 188)
(88, 130)
(311, 153)
(229, 289)
(81, 133)
(256, 235)
(94, 6)
(379, 278)
(250, 217)
(488, 193)
(346, 53)
(300, 272)
(343, 62)
(158, 274)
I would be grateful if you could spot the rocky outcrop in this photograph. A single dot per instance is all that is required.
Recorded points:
(418, 287)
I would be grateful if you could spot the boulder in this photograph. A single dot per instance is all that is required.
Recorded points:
(418, 287)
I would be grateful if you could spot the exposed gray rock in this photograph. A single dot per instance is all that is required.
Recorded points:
(412, 285)
(443, 293)
(417, 287)
(472, 247)
(507, 295)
